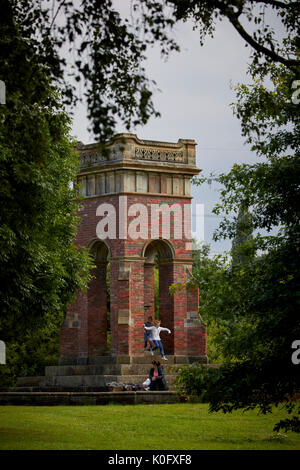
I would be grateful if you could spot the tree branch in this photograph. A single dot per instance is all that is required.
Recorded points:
(276, 3)
(258, 47)
(57, 11)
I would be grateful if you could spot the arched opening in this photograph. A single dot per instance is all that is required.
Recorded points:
(160, 247)
(99, 331)
(158, 276)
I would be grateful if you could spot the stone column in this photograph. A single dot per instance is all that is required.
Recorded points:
(179, 313)
(193, 299)
(195, 336)
(195, 329)
(166, 305)
(180, 307)
(127, 307)
(136, 323)
(74, 333)
(119, 306)
(97, 312)
(149, 307)
(114, 310)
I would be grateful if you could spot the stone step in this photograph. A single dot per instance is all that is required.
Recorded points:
(100, 381)
(60, 388)
(35, 381)
(124, 359)
(86, 398)
(101, 370)
(57, 388)
(108, 369)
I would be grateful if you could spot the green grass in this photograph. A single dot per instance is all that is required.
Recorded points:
(140, 427)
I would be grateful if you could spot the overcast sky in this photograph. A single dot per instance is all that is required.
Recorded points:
(194, 103)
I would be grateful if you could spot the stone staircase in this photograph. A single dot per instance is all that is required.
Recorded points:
(76, 384)
(102, 371)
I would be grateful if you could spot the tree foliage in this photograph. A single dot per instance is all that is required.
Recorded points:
(254, 301)
(40, 268)
(242, 246)
(208, 273)
(247, 17)
(87, 46)
(47, 49)
(30, 352)
(259, 297)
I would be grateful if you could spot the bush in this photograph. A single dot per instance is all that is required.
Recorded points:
(34, 350)
(195, 380)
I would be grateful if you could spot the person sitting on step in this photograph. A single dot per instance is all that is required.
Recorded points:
(157, 378)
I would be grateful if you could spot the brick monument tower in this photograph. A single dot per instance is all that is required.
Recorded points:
(136, 214)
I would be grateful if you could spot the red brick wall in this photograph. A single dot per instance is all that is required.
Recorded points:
(180, 312)
(166, 306)
(192, 300)
(88, 223)
(97, 312)
(149, 291)
(137, 309)
(196, 340)
(133, 292)
(114, 298)
(74, 332)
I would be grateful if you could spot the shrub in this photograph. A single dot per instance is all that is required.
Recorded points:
(195, 380)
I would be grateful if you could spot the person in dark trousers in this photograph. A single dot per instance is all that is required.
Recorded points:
(155, 331)
(157, 378)
(148, 334)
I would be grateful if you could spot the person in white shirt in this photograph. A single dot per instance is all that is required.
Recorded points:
(155, 330)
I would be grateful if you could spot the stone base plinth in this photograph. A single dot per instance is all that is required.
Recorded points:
(146, 358)
(85, 398)
(100, 371)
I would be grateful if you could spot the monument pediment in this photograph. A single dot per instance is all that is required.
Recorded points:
(130, 164)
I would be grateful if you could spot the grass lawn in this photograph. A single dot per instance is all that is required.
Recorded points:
(140, 427)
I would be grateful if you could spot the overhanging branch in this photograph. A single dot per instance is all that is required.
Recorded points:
(233, 18)
(277, 4)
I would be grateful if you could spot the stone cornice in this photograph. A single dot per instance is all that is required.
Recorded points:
(141, 259)
(133, 137)
(128, 149)
(128, 259)
(176, 261)
(137, 166)
(133, 193)
(161, 167)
